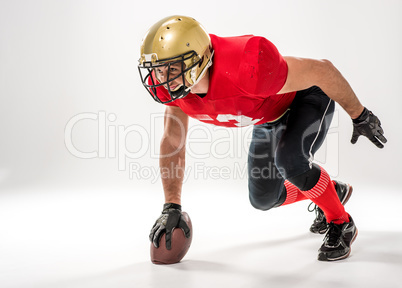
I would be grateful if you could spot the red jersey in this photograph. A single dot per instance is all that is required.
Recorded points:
(246, 74)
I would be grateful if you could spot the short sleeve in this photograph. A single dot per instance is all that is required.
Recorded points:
(263, 70)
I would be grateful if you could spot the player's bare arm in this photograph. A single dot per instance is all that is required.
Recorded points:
(172, 165)
(304, 73)
(172, 153)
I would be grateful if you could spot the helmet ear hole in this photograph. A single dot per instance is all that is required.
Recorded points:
(202, 61)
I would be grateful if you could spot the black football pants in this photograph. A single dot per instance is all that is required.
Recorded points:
(285, 149)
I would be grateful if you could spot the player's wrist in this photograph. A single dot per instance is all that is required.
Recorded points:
(362, 117)
(168, 206)
(173, 197)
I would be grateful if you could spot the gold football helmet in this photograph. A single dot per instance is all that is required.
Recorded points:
(174, 52)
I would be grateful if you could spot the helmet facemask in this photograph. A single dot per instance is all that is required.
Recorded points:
(149, 75)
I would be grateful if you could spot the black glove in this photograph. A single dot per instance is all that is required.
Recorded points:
(369, 125)
(170, 219)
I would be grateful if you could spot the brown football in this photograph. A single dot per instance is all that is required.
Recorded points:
(180, 246)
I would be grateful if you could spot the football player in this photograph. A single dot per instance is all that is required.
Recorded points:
(239, 81)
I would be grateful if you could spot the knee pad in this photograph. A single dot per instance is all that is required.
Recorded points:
(261, 203)
(268, 201)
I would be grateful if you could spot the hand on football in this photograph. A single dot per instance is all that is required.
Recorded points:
(367, 124)
(170, 219)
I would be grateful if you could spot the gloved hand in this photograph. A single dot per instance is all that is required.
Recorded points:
(369, 125)
(170, 219)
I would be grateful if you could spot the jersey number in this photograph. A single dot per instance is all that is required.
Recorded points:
(241, 120)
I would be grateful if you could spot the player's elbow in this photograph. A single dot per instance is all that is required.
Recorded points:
(324, 71)
(326, 66)
(326, 62)
(321, 66)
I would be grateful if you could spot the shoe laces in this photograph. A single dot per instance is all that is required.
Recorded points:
(333, 235)
(314, 208)
(319, 214)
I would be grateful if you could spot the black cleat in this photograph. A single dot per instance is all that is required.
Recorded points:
(338, 241)
(320, 225)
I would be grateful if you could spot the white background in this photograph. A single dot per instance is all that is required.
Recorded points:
(66, 221)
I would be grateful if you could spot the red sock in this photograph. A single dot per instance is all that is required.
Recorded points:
(293, 194)
(324, 195)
